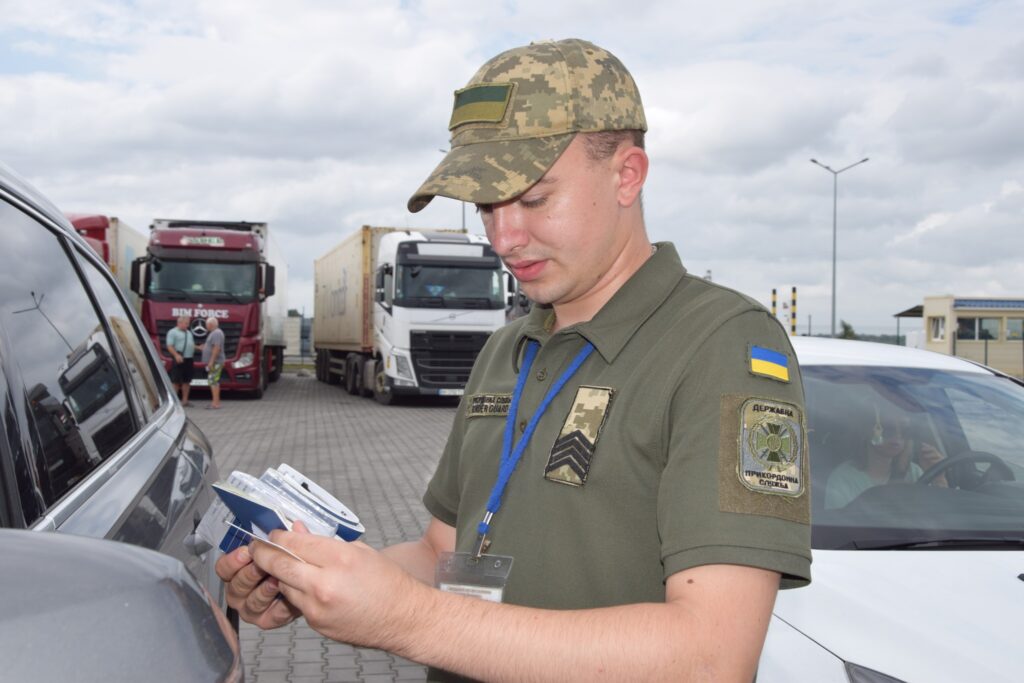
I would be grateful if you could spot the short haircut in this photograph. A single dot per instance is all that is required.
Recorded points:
(603, 144)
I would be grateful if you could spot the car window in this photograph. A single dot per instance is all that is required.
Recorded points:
(901, 453)
(127, 339)
(76, 406)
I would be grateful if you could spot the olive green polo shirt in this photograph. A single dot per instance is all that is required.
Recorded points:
(673, 446)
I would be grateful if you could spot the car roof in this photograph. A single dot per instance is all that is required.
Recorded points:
(21, 191)
(826, 351)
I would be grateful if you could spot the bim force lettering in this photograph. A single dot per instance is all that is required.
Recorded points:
(219, 313)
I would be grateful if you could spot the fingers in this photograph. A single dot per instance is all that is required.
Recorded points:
(228, 565)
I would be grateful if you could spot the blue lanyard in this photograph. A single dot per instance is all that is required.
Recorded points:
(510, 456)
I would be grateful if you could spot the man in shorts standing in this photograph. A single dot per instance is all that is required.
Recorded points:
(182, 347)
(213, 357)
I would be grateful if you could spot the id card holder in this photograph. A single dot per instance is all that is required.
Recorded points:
(481, 577)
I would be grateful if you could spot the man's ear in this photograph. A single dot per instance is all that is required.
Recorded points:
(632, 166)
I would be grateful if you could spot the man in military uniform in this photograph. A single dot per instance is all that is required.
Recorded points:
(625, 483)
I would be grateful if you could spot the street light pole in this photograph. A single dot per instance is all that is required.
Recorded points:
(835, 203)
(444, 151)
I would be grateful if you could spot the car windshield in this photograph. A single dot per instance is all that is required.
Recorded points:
(910, 457)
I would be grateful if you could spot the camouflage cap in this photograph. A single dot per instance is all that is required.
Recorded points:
(521, 110)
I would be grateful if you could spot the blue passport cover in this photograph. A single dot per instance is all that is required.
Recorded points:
(248, 512)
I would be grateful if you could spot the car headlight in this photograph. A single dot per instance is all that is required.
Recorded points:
(245, 360)
(861, 674)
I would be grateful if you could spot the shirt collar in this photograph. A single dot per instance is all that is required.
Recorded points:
(616, 323)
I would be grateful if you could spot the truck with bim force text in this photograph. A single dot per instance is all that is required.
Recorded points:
(117, 243)
(228, 270)
(405, 312)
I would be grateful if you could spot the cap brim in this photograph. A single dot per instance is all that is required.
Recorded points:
(491, 172)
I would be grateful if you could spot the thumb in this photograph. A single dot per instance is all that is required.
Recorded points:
(299, 527)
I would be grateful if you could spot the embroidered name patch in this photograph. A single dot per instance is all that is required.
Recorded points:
(771, 447)
(481, 103)
(573, 452)
(488, 405)
(768, 363)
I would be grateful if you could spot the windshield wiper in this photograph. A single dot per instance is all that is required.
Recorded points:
(221, 291)
(182, 292)
(938, 544)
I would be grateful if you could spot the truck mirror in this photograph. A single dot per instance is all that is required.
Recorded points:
(138, 275)
(268, 281)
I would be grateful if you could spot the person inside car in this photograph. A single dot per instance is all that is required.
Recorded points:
(886, 455)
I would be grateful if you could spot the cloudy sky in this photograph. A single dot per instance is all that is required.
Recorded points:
(320, 116)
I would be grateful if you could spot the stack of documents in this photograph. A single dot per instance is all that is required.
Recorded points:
(251, 508)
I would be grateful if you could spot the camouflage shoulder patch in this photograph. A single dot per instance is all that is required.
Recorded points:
(766, 362)
(763, 465)
(488, 405)
(573, 452)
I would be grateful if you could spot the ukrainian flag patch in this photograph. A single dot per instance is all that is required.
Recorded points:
(767, 363)
(482, 103)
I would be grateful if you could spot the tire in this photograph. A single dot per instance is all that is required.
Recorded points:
(261, 384)
(381, 385)
(353, 373)
(318, 364)
(277, 354)
(330, 377)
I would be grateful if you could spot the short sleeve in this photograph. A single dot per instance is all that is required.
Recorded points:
(442, 495)
(735, 489)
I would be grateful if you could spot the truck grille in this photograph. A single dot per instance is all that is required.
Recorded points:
(442, 360)
(232, 334)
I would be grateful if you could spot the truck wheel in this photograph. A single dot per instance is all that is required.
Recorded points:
(318, 364)
(382, 385)
(330, 377)
(277, 360)
(352, 375)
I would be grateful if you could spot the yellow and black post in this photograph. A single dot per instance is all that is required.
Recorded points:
(773, 302)
(792, 315)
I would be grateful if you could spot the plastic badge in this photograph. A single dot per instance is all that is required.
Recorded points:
(465, 574)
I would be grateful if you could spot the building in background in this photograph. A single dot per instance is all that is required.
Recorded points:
(989, 331)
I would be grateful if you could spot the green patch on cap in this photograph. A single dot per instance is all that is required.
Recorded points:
(483, 103)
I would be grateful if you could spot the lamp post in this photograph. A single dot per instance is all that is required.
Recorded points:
(835, 199)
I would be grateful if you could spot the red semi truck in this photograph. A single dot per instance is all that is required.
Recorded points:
(217, 269)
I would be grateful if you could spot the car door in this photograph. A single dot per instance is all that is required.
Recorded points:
(100, 446)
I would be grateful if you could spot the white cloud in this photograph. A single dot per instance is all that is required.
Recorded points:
(325, 115)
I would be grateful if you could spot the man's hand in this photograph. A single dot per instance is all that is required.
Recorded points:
(346, 591)
(252, 592)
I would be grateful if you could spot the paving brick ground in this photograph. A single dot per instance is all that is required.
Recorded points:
(375, 459)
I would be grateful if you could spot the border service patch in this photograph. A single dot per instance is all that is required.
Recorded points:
(763, 467)
(488, 405)
(771, 447)
(573, 452)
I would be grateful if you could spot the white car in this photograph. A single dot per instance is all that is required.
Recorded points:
(918, 571)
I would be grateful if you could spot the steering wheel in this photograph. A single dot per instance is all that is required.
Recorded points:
(995, 464)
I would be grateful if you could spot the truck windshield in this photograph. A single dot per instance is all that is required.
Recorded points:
(198, 280)
(438, 286)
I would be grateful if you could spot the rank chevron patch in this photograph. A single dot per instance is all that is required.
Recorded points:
(573, 452)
